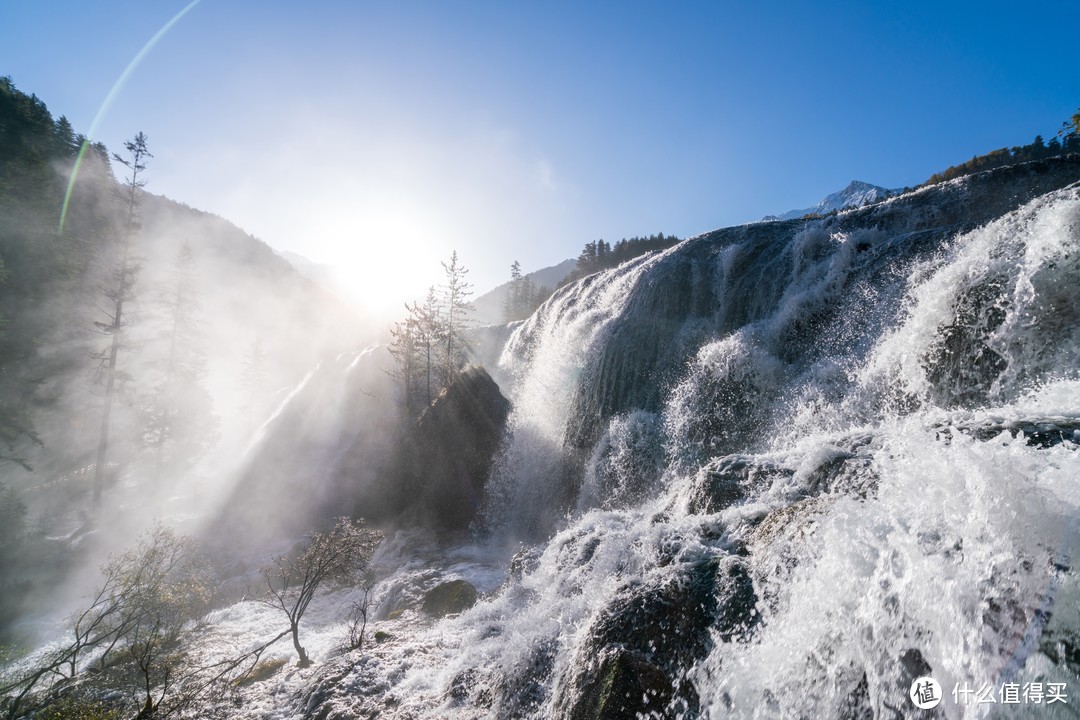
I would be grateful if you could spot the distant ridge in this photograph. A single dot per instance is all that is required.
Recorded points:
(856, 194)
(319, 273)
(489, 308)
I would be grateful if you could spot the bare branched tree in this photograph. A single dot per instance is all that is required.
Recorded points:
(133, 632)
(358, 616)
(150, 595)
(336, 557)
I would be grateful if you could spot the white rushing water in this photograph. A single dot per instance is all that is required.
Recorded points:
(769, 473)
(896, 511)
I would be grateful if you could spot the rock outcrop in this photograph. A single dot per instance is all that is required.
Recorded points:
(447, 457)
(450, 598)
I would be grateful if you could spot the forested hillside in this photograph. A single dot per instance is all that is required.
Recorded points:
(198, 324)
(1037, 149)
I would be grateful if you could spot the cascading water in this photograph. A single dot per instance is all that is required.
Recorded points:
(781, 470)
(533, 479)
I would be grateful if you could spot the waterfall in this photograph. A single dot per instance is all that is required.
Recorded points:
(778, 470)
(784, 470)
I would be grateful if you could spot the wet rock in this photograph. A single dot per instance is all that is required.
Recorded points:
(912, 666)
(845, 468)
(781, 541)
(625, 685)
(447, 457)
(963, 366)
(857, 703)
(1046, 433)
(462, 684)
(728, 480)
(672, 622)
(795, 521)
(450, 598)
(646, 639)
(525, 561)
(522, 691)
(1062, 646)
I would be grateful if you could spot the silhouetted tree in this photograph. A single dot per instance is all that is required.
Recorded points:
(15, 423)
(454, 310)
(600, 255)
(416, 344)
(513, 303)
(404, 347)
(587, 259)
(1036, 150)
(67, 142)
(119, 293)
(522, 297)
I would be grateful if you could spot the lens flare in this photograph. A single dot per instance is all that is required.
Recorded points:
(109, 99)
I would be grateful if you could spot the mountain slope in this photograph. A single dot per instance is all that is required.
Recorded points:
(55, 303)
(856, 194)
(489, 308)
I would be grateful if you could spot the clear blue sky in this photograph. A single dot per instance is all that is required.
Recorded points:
(381, 135)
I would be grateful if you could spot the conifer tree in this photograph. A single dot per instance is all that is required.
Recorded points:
(118, 293)
(455, 309)
(430, 331)
(404, 348)
(512, 305)
(415, 347)
(526, 298)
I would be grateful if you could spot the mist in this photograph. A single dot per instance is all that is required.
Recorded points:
(814, 467)
(217, 331)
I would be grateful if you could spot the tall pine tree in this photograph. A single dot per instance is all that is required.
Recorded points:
(118, 293)
(455, 309)
(417, 341)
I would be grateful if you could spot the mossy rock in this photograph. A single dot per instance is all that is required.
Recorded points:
(79, 709)
(449, 598)
(625, 685)
(263, 670)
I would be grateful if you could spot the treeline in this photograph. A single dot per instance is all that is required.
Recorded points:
(37, 262)
(429, 345)
(1067, 141)
(601, 255)
(115, 307)
(523, 296)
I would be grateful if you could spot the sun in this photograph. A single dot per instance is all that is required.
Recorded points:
(381, 261)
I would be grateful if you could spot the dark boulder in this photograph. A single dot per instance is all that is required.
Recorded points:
(728, 480)
(624, 685)
(641, 645)
(449, 598)
(447, 456)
